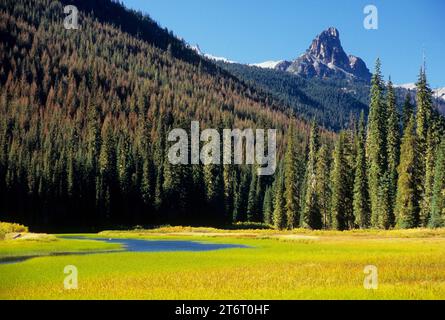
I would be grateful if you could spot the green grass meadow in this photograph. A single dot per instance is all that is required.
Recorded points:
(290, 265)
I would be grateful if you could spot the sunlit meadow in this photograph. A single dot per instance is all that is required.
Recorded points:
(288, 265)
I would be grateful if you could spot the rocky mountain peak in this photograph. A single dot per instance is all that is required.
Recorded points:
(326, 58)
(327, 48)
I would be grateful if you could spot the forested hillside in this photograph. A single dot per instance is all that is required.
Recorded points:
(85, 116)
(330, 102)
(333, 103)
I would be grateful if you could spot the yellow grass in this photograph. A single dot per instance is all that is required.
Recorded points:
(322, 265)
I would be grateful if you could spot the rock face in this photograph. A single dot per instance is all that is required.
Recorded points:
(326, 58)
(283, 65)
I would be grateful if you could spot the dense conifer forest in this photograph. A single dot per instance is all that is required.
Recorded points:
(332, 103)
(85, 114)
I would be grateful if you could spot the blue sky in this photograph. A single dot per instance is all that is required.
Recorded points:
(251, 31)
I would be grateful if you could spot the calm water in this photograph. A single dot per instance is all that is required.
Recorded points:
(138, 245)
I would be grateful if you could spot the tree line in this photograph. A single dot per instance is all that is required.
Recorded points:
(385, 173)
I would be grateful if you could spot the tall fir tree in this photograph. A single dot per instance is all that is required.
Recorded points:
(393, 151)
(260, 192)
(311, 211)
(342, 209)
(424, 103)
(158, 162)
(361, 203)
(107, 167)
(268, 206)
(427, 144)
(386, 216)
(252, 197)
(376, 144)
(407, 110)
(279, 213)
(214, 186)
(428, 180)
(229, 177)
(241, 196)
(291, 191)
(323, 185)
(124, 163)
(407, 201)
(437, 218)
(93, 145)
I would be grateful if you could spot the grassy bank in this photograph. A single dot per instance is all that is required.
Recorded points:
(49, 245)
(288, 265)
(6, 228)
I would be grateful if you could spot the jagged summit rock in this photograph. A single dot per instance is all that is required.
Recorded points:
(326, 58)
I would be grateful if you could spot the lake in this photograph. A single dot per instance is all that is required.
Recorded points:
(137, 245)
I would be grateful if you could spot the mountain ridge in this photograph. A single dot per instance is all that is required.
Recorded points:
(324, 59)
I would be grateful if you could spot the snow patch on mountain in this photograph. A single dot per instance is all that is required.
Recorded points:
(407, 86)
(438, 93)
(266, 64)
(198, 50)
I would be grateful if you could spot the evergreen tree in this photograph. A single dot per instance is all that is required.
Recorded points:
(361, 196)
(291, 181)
(236, 213)
(93, 145)
(423, 129)
(428, 181)
(428, 140)
(323, 186)
(107, 167)
(268, 206)
(214, 185)
(241, 196)
(407, 110)
(158, 162)
(389, 183)
(260, 192)
(146, 180)
(424, 111)
(144, 172)
(170, 186)
(228, 174)
(376, 144)
(342, 210)
(407, 202)
(94, 137)
(124, 163)
(279, 214)
(197, 193)
(252, 198)
(311, 211)
(437, 218)
(386, 217)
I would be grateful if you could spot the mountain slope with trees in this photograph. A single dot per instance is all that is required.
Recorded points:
(331, 103)
(85, 116)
